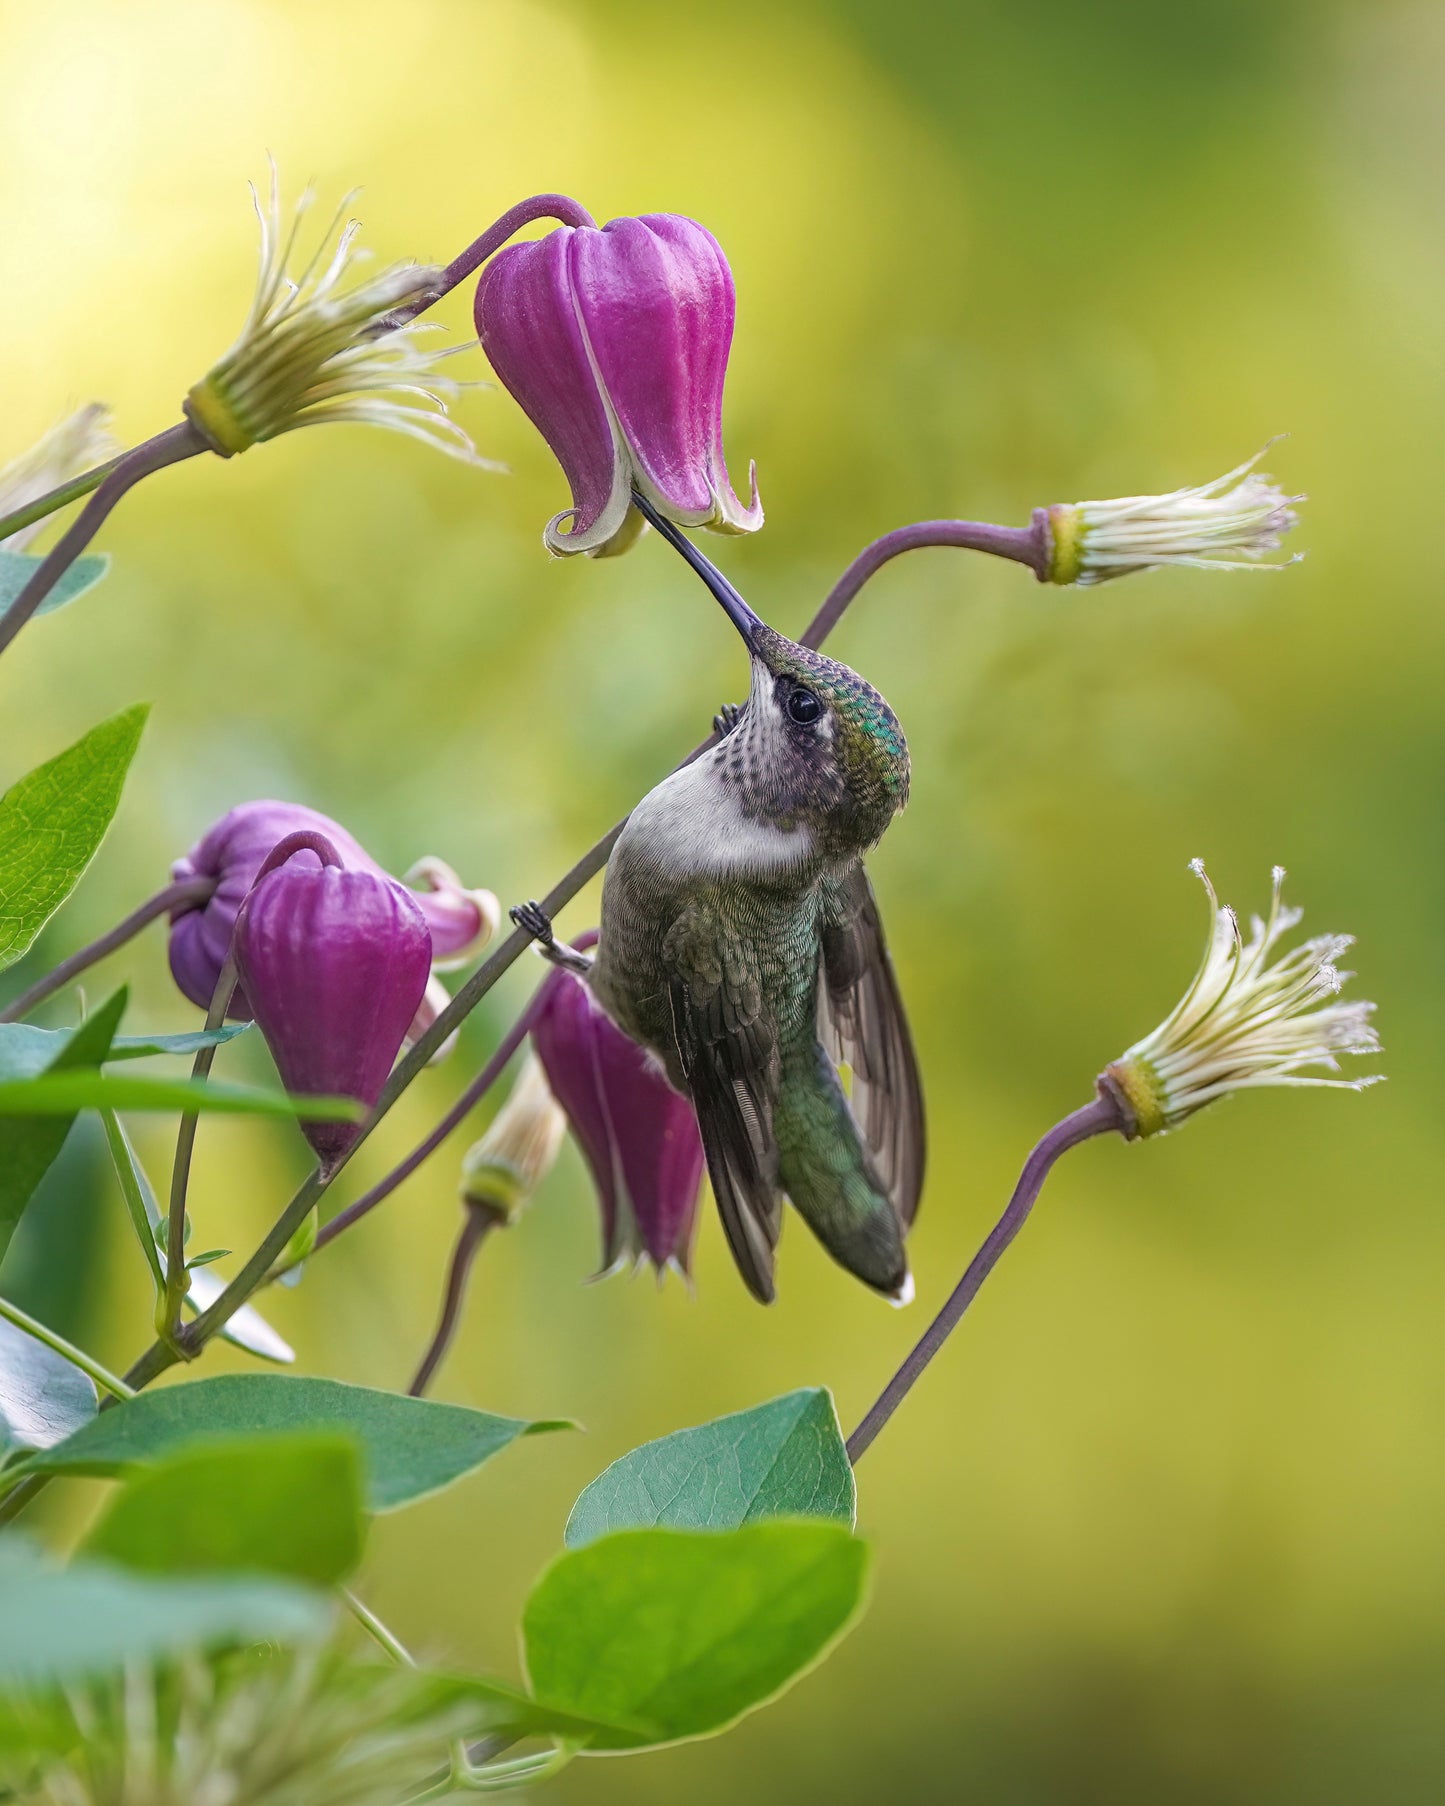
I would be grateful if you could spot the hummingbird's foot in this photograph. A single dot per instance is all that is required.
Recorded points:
(727, 719)
(532, 919)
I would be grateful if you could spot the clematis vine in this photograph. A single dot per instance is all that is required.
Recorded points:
(1254, 1017)
(615, 342)
(232, 851)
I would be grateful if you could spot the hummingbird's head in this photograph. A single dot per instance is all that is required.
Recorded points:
(825, 748)
(816, 746)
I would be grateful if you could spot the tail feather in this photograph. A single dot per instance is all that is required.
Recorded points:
(831, 1179)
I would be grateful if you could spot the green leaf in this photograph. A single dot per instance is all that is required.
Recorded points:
(64, 1093)
(507, 1712)
(782, 1459)
(51, 823)
(26, 1050)
(43, 1397)
(685, 1631)
(411, 1446)
(204, 1260)
(29, 1144)
(63, 1624)
(245, 1328)
(288, 1504)
(17, 568)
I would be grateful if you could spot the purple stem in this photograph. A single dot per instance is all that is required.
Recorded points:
(560, 207)
(1025, 545)
(475, 1225)
(170, 447)
(1097, 1118)
(185, 890)
(425, 1148)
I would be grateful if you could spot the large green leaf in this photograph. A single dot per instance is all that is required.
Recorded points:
(51, 823)
(17, 568)
(410, 1446)
(28, 1144)
(782, 1459)
(685, 1631)
(63, 1624)
(287, 1504)
(26, 1050)
(54, 1093)
(43, 1397)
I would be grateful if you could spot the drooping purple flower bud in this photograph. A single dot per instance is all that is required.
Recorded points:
(638, 1135)
(334, 962)
(615, 342)
(232, 852)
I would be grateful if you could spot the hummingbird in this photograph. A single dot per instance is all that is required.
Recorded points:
(741, 944)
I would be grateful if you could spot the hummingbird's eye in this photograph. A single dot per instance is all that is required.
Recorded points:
(804, 707)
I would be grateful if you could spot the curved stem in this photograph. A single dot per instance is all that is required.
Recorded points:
(185, 890)
(1025, 545)
(475, 1226)
(1097, 1118)
(170, 447)
(560, 207)
(55, 499)
(428, 1145)
(77, 1357)
(178, 1280)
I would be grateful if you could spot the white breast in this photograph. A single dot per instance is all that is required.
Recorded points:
(693, 823)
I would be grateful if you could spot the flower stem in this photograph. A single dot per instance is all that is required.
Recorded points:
(1097, 1118)
(178, 1280)
(170, 447)
(541, 206)
(185, 890)
(1025, 545)
(375, 1629)
(475, 1226)
(55, 499)
(77, 1357)
(425, 1148)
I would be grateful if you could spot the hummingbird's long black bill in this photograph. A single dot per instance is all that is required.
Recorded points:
(736, 610)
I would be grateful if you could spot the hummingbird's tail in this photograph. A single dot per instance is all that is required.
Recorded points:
(828, 1174)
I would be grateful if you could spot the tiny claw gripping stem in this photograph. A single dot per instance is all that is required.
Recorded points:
(727, 719)
(532, 919)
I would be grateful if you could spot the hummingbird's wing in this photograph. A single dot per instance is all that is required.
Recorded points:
(862, 1024)
(729, 1057)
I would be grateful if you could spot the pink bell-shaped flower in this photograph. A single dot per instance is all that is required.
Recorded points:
(639, 1137)
(232, 851)
(615, 342)
(334, 962)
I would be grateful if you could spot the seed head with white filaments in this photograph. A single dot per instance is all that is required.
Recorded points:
(1245, 1022)
(71, 447)
(313, 352)
(1231, 524)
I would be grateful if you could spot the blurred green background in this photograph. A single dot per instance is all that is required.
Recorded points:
(1164, 1523)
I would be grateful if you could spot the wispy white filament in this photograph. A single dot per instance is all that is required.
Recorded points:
(71, 447)
(1232, 523)
(310, 352)
(1249, 1019)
